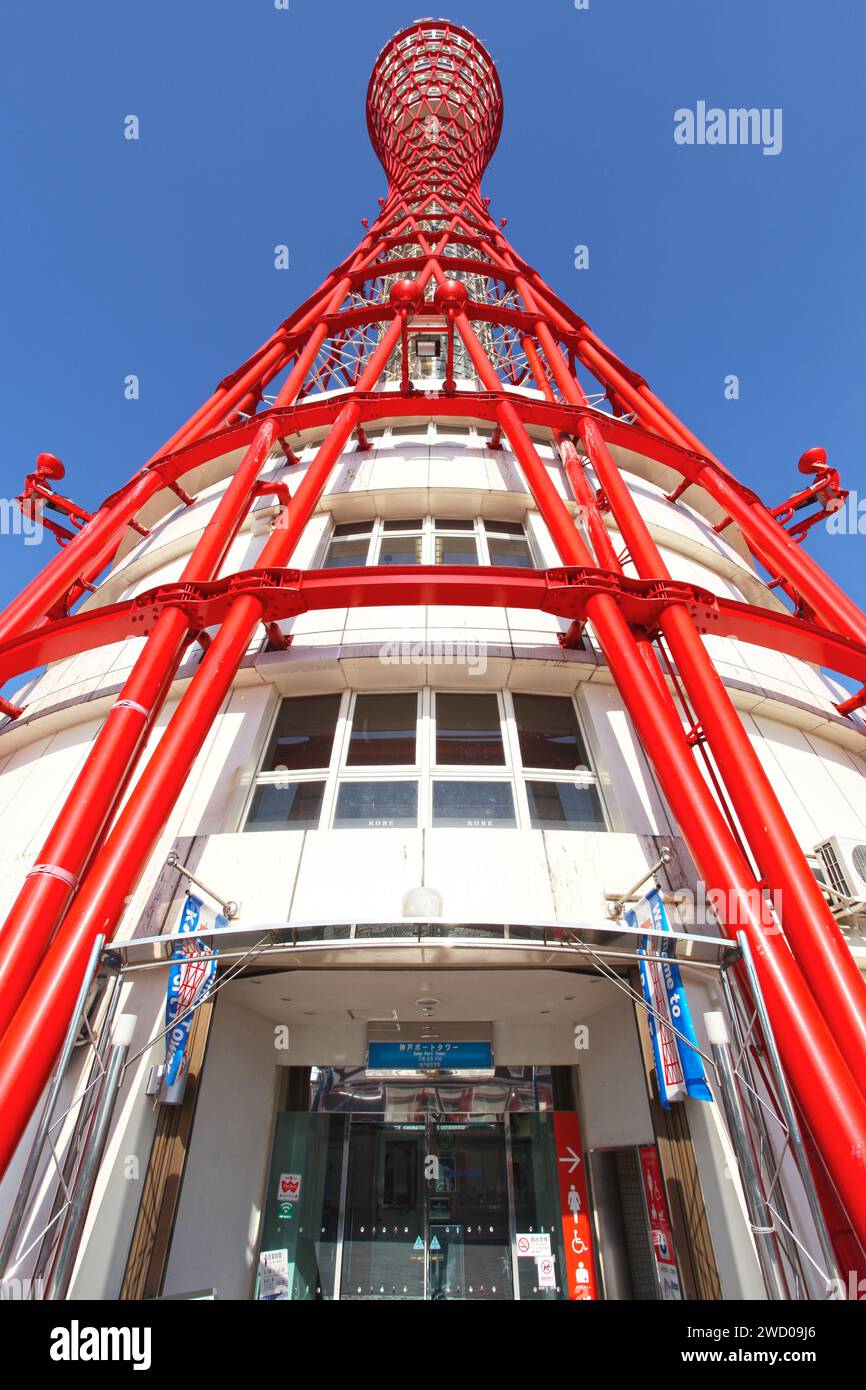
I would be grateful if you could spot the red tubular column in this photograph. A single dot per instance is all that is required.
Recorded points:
(810, 927)
(35, 1034)
(832, 1102)
(99, 787)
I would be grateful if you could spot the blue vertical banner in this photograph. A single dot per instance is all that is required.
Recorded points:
(679, 1065)
(190, 978)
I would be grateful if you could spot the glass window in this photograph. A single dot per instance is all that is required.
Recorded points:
(468, 731)
(304, 734)
(383, 731)
(469, 772)
(381, 805)
(507, 544)
(346, 554)
(350, 545)
(401, 543)
(479, 805)
(549, 734)
(456, 550)
(403, 550)
(446, 431)
(420, 540)
(564, 806)
(286, 806)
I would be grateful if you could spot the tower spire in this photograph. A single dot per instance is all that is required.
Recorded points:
(434, 112)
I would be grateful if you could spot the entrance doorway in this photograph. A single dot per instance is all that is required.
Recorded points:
(446, 1192)
(427, 1211)
(408, 1191)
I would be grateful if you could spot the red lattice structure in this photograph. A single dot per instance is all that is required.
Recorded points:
(435, 260)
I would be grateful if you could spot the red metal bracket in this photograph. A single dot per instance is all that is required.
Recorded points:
(38, 495)
(825, 491)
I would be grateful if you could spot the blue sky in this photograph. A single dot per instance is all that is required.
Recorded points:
(156, 257)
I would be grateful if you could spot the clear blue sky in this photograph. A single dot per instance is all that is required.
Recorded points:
(156, 257)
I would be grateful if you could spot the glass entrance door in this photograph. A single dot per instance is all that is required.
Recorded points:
(469, 1242)
(424, 1195)
(385, 1229)
(427, 1211)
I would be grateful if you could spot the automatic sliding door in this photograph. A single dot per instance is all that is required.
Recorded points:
(469, 1247)
(384, 1235)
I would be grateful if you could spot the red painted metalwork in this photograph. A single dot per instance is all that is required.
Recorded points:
(826, 491)
(39, 496)
(100, 785)
(434, 261)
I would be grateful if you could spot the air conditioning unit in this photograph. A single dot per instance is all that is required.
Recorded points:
(844, 864)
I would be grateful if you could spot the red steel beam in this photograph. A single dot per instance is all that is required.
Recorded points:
(312, 590)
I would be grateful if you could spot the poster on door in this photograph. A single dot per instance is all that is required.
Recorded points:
(660, 1228)
(273, 1276)
(574, 1207)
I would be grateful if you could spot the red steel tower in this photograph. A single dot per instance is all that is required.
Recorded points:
(436, 273)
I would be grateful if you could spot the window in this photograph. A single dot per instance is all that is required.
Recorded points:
(304, 734)
(428, 541)
(350, 545)
(302, 741)
(549, 735)
(372, 805)
(456, 543)
(474, 805)
(468, 730)
(507, 544)
(383, 730)
(550, 740)
(440, 759)
(399, 543)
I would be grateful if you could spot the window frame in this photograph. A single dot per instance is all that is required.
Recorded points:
(432, 525)
(426, 770)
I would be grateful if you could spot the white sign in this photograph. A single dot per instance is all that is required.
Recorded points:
(273, 1275)
(546, 1273)
(290, 1187)
(533, 1243)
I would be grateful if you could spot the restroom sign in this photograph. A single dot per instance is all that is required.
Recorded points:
(574, 1207)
